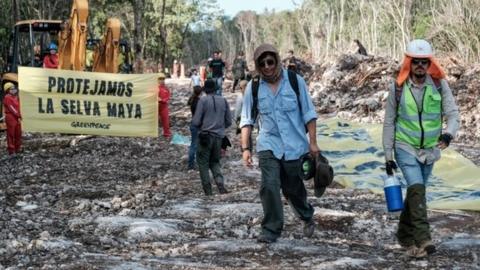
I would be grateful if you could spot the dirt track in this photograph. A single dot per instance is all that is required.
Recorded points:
(130, 203)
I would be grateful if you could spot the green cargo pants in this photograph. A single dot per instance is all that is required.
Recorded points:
(413, 228)
(208, 158)
(285, 175)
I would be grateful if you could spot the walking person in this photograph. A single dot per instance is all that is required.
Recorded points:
(11, 108)
(283, 115)
(192, 102)
(195, 79)
(163, 99)
(291, 62)
(239, 68)
(217, 66)
(412, 135)
(211, 117)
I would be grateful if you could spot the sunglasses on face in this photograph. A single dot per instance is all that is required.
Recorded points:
(423, 62)
(267, 62)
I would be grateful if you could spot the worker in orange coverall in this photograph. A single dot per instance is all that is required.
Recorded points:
(11, 108)
(51, 60)
(163, 98)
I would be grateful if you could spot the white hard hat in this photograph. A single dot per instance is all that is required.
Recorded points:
(419, 48)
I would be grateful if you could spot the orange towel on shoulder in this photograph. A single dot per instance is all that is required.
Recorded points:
(434, 70)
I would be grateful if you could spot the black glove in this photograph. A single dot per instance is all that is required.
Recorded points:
(391, 166)
(445, 138)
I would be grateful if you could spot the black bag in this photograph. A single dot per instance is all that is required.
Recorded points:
(226, 143)
(204, 138)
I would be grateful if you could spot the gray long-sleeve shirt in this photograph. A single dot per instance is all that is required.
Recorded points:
(212, 115)
(238, 106)
(449, 111)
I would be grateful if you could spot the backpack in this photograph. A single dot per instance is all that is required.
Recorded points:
(292, 79)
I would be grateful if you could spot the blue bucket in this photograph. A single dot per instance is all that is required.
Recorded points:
(393, 196)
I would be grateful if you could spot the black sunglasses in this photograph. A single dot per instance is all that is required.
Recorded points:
(423, 62)
(269, 62)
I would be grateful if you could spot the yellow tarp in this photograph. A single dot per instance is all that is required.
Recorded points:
(356, 153)
(77, 102)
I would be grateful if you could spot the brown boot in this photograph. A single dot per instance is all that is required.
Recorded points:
(415, 252)
(428, 247)
(309, 228)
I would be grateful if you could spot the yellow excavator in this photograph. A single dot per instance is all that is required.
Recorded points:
(30, 39)
(105, 57)
(72, 39)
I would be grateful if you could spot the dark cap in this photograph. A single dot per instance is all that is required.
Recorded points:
(323, 175)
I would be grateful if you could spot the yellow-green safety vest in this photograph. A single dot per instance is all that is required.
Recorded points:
(419, 128)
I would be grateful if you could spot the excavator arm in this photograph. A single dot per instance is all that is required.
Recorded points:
(73, 38)
(105, 55)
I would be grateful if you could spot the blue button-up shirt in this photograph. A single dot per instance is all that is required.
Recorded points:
(282, 125)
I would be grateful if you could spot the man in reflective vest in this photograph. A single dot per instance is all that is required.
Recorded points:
(418, 102)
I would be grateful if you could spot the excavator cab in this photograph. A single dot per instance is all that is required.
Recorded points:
(27, 46)
(28, 40)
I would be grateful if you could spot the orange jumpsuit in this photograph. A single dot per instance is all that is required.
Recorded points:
(11, 107)
(163, 114)
(50, 61)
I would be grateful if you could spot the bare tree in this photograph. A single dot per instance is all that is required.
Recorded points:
(16, 10)
(247, 23)
(139, 35)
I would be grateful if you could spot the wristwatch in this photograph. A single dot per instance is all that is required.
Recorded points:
(245, 149)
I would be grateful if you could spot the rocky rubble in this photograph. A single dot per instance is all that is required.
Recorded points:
(355, 87)
(70, 202)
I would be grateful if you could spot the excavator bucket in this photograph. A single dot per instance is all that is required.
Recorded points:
(73, 37)
(105, 57)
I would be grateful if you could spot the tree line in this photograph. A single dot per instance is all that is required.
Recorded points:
(155, 29)
(161, 31)
(322, 29)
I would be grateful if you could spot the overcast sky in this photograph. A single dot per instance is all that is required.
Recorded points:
(232, 7)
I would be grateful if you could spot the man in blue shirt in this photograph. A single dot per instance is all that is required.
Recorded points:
(281, 141)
